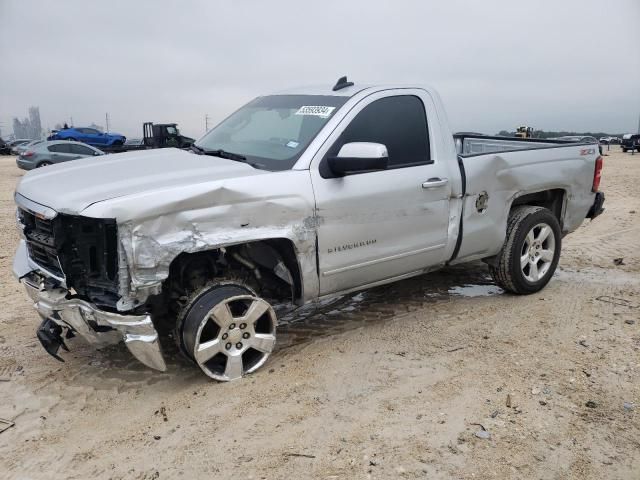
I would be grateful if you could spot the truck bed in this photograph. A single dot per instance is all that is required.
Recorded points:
(498, 171)
(469, 144)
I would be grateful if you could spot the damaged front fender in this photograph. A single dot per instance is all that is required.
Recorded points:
(155, 227)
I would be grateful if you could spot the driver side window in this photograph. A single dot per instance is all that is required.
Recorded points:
(399, 123)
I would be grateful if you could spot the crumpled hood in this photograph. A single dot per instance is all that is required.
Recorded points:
(71, 187)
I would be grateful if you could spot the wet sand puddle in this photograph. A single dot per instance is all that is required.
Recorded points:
(115, 367)
(383, 303)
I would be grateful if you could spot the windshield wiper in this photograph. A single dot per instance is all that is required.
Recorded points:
(226, 155)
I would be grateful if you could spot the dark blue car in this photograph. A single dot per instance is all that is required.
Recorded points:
(89, 135)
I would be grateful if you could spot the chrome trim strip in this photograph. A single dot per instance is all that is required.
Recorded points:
(380, 260)
(377, 283)
(34, 207)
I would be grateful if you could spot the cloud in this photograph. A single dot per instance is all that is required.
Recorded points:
(497, 64)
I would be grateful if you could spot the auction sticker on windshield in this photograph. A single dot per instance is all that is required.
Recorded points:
(316, 110)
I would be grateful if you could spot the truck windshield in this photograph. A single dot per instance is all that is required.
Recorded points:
(273, 131)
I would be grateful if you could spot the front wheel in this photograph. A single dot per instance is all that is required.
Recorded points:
(227, 330)
(531, 251)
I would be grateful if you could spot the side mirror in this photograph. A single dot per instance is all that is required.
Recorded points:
(359, 157)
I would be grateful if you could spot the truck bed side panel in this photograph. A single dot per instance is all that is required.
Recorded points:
(502, 177)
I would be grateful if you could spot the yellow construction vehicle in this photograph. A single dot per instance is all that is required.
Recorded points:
(524, 132)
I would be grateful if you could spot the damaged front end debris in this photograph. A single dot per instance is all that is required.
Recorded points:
(64, 318)
(50, 335)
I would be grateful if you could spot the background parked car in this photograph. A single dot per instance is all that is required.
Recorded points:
(90, 136)
(4, 148)
(578, 138)
(56, 151)
(25, 146)
(630, 142)
(13, 144)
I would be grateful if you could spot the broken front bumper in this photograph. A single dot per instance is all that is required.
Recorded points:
(96, 326)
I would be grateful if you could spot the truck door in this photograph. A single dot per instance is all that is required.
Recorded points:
(380, 225)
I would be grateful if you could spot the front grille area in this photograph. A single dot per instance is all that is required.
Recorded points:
(40, 242)
(45, 257)
(82, 250)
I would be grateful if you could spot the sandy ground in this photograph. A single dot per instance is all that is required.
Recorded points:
(390, 383)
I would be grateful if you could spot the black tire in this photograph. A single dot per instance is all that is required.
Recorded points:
(43, 164)
(118, 143)
(203, 300)
(196, 327)
(71, 139)
(509, 272)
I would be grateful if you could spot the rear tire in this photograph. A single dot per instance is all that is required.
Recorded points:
(118, 143)
(531, 251)
(71, 139)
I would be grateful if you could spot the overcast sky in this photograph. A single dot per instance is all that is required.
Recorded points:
(551, 64)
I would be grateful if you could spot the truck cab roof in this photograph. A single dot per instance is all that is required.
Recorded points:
(344, 88)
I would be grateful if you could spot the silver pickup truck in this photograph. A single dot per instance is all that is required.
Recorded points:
(296, 197)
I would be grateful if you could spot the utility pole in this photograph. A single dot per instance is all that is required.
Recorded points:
(106, 119)
(206, 123)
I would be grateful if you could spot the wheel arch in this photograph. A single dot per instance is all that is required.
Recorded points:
(553, 199)
(267, 260)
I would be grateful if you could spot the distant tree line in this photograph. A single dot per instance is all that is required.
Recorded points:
(546, 134)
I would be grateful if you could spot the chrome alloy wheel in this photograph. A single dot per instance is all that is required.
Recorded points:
(537, 253)
(235, 337)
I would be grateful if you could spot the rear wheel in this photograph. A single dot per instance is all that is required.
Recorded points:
(227, 330)
(531, 251)
(71, 139)
(118, 143)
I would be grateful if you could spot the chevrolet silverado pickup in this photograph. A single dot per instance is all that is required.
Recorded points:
(294, 198)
